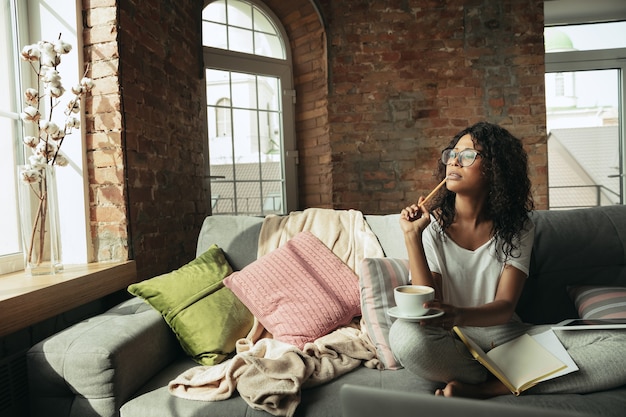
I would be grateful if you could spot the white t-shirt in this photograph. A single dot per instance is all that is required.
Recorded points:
(470, 278)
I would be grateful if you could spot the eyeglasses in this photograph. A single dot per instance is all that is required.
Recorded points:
(466, 157)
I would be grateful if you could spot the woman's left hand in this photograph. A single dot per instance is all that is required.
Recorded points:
(449, 318)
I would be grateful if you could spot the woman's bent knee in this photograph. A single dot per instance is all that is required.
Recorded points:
(404, 340)
(415, 346)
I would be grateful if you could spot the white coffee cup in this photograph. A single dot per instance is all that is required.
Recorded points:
(410, 299)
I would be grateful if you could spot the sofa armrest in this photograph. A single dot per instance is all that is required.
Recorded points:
(93, 367)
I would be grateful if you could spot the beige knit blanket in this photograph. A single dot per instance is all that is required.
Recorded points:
(345, 232)
(269, 374)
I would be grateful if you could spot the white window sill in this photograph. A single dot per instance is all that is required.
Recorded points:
(26, 300)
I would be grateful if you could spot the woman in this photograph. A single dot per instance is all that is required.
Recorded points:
(473, 245)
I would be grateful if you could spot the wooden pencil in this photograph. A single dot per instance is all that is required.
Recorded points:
(432, 193)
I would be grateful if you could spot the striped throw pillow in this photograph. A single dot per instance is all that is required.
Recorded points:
(594, 302)
(378, 278)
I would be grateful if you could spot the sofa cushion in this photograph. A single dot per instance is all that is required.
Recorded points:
(95, 365)
(597, 302)
(386, 228)
(319, 401)
(572, 248)
(378, 278)
(300, 291)
(206, 317)
(238, 236)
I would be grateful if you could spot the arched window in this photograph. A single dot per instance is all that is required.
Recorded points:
(241, 26)
(250, 109)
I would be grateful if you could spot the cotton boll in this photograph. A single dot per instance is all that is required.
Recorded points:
(61, 47)
(30, 114)
(45, 150)
(31, 141)
(73, 106)
(87, 84)
(52, 76)
(56, 91)
(37, 160)
(31, 53)
(50, 60)
(61, 160)
(58, 135)
(73, 123)
(49, 127)
(31, 96)
(30, 175)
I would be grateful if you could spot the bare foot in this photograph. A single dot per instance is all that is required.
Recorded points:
(487, 389)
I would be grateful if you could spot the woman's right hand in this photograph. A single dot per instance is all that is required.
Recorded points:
(414, 218)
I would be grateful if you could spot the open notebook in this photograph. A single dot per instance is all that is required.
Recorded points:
(525, 361)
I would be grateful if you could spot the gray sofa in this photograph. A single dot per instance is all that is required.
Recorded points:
(119, 363)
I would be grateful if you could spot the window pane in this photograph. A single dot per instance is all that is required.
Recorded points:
(221, 151)
(240, 26)
(222, 195)
(262, 23)
(240, 14)
(585, 37)
(218, 85)
(267, 45)
(249, 196)
(215, 12)
(246, 136)
(240, 40)
(583, 138)
(272, 193)
(268, 92)
(8, 209)
(244, 90)
(272, 169)
(214, 35)
(9, 141)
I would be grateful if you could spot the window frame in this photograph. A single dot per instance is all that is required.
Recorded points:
(222, 59)
(602, 59)
(567, 13)
(18, 22)
(30, 24)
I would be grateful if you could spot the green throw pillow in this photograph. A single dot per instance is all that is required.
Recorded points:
(206, 317)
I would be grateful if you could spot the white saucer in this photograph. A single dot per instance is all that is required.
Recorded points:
(394, 312)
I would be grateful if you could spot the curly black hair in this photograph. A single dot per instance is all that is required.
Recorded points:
(505, 166)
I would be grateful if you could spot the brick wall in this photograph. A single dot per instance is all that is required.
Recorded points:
(381, 86)
(308, 42)
(146, 139)
(408, 75)
(105, 152)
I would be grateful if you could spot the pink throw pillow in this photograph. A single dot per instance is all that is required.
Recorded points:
(300, 291)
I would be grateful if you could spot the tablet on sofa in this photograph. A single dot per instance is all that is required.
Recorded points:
(590, 324)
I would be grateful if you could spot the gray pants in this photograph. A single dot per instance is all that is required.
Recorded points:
(438, 355)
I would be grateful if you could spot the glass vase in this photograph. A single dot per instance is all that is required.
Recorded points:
(39, 219)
